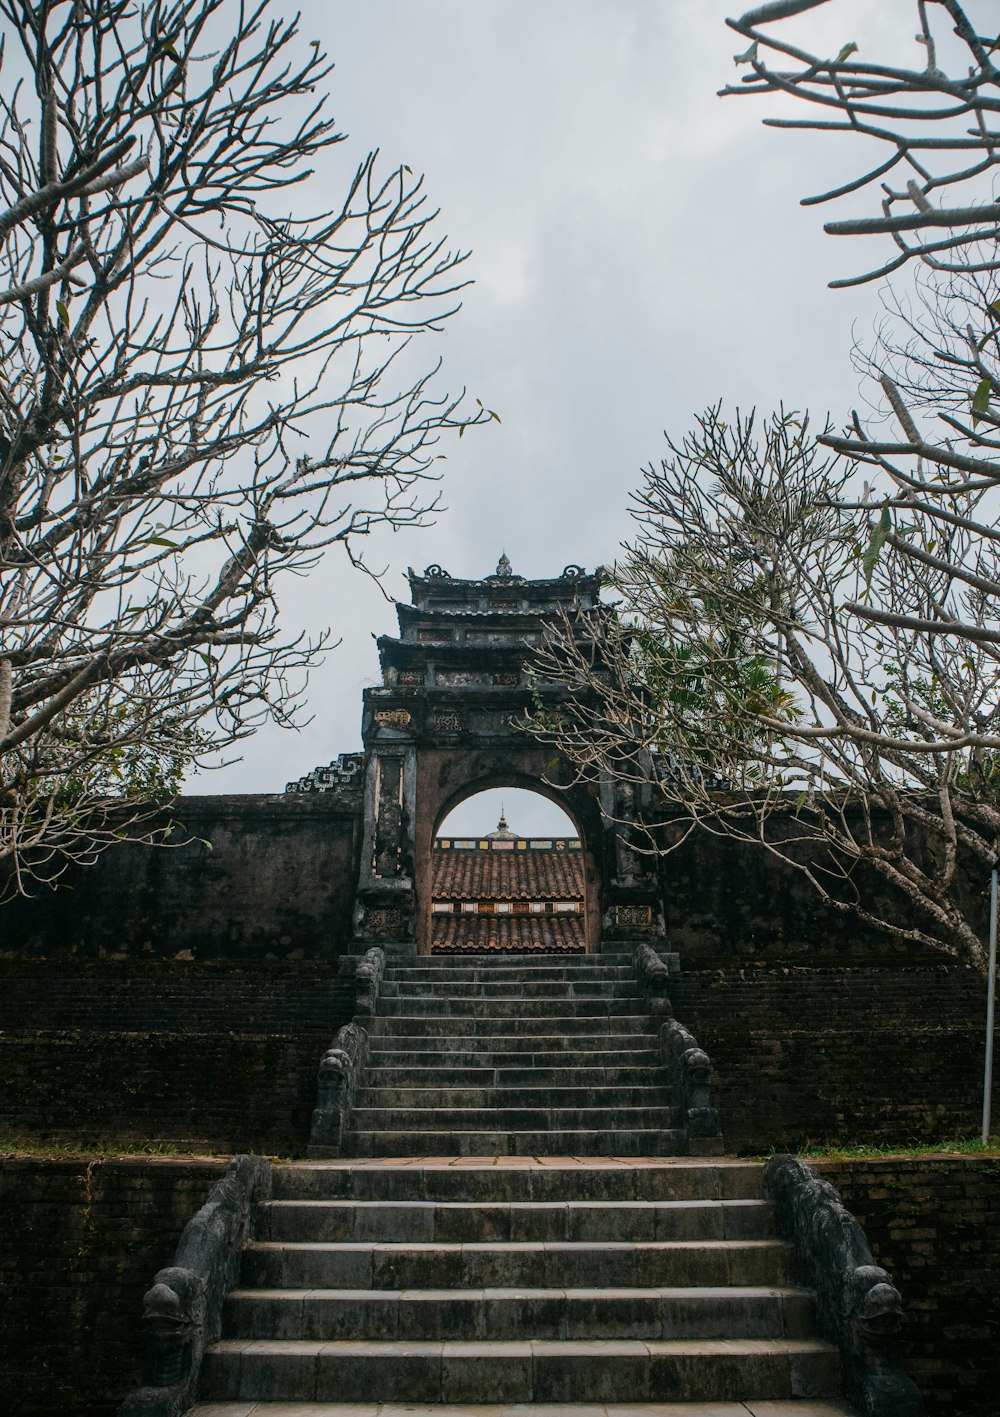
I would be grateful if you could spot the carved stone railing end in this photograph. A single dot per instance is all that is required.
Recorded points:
(654, 976)
(340, 1070)
(368, 981)
(182, 1311)
(858, 1306)
(691, 1075)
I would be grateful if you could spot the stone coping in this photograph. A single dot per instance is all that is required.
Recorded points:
(526, 1162)
(795, 1408)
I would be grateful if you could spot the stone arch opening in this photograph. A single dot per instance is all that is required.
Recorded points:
(527, 812)
(539, 891)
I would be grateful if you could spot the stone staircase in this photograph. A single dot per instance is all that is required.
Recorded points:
(514, 1056)
(497, 1283)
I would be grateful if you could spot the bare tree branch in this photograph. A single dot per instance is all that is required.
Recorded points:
(199, 393)
(741, 674)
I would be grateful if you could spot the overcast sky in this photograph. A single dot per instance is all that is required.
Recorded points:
(639, 252)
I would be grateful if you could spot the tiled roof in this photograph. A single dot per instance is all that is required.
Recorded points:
(515, 875)
(482, 934)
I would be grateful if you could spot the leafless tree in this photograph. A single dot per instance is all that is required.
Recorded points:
(733, 676)
(932, 456)
(208, 377)
(807, 647)
(939, 122)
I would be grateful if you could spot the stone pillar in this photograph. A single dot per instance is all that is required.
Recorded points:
(633, 906)
(385, 911)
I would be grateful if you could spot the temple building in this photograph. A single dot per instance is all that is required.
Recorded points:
(508, 894)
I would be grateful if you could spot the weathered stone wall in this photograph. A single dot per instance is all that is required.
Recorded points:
(253, 878)
(733, 903)
(80, 1241)
(934, 1223)
(838, 1054)
(218, 1056)
(183, 994)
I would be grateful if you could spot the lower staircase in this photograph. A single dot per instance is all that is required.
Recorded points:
(514, 1056)
(603, 1287)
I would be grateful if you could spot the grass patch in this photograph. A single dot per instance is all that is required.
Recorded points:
(951, 1146)
(15, 1147)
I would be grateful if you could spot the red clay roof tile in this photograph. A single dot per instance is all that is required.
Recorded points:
(501, 875)
(481, 934)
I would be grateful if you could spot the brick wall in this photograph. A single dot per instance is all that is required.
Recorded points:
(80, 1242)
(838, 1055)
(934, 1224)
(214, 1057)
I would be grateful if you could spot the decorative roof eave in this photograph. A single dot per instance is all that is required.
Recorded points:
(507, 622)
(504, 614)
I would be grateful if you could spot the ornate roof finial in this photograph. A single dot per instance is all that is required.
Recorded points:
(503, 831)
(503, 569)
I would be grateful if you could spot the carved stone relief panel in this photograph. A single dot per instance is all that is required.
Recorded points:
(384, 917)
(394, 718)
(491, 721)
(447, 721)
(634, 917)
(388, 818)
(462, 678)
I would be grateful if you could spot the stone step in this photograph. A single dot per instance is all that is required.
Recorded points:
(551, 1142)
(510, 1119)
(612, 1370)
(572, 1028)
(476, 1314)
(467, 1221)
(798, 1407)
(528, 961)
(428, 1074)
(507, 1098)
(518, 974)
(553, 1051)
(269, 1264)
(512, 987)
(680, 1178)
(503, 1007)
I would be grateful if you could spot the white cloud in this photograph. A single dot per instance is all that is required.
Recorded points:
(640, 252)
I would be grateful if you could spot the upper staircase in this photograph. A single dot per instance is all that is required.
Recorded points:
(514, 1055)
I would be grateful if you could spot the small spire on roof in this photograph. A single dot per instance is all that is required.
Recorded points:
(503, 831)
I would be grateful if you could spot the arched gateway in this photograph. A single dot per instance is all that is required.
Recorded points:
(443, 725)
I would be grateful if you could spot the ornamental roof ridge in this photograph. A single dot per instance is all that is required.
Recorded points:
(503, 575)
